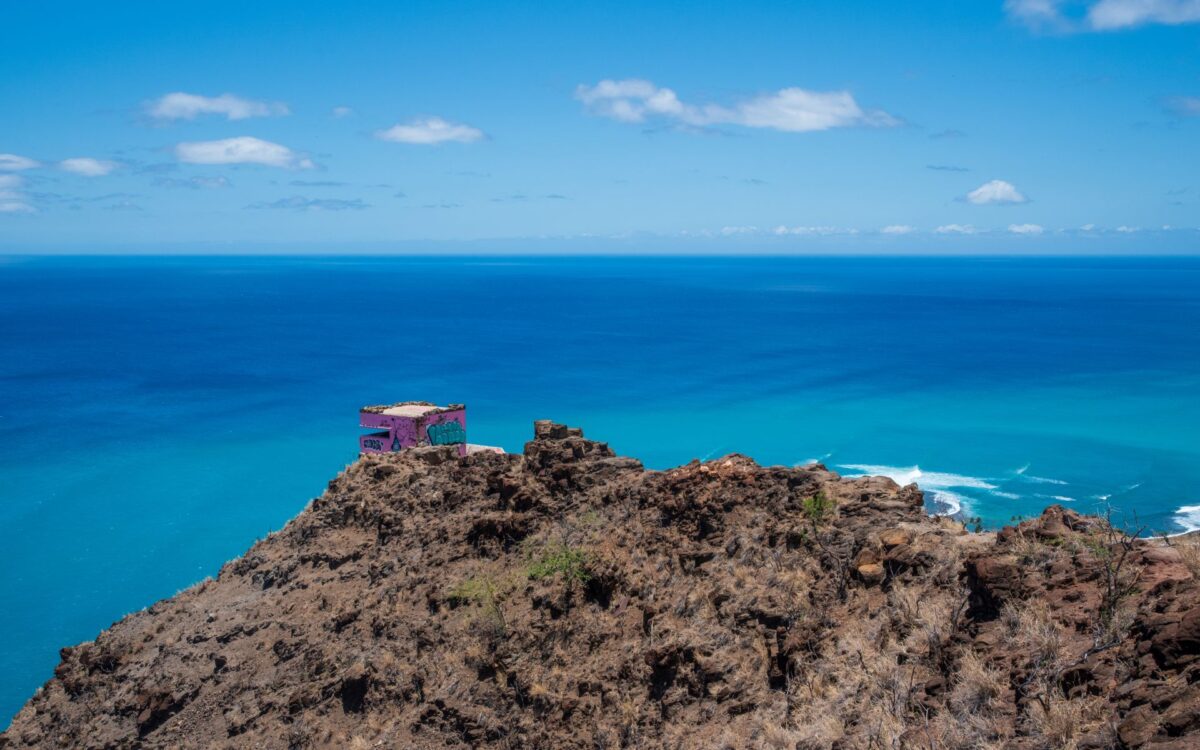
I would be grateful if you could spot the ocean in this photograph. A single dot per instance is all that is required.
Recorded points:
(157, 415)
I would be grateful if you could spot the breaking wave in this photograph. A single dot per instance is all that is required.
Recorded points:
(1188, 517)
(939, 485)
(811, 461)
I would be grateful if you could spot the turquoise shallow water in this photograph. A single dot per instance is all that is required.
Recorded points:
(158, 415)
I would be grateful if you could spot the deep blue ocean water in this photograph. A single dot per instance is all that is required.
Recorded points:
(158, 415)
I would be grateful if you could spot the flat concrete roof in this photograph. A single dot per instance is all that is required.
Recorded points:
(409, 409)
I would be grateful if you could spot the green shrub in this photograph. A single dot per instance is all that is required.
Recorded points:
(554, 559)
(483, 593)
(817, 508)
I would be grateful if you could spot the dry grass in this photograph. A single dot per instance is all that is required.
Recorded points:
(1114, 627)
(857, 688)
(1035, 553)
(1060, 723)
(904, 605)
(1188, 548)
(977, 687)
(1033, 630)
(866, 685)
(972, 721)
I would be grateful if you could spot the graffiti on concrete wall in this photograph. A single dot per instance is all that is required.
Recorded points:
(446, 433)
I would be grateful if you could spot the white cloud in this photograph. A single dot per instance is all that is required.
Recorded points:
(731, 231)
(1185, 106)
(1087, 228)
(182, 106)
(1037, 13)
(87, 166)
(193, 183)
(793, 110)
(1127, 230)
(1102, 15)
(429, 131)
(12, 201)
(14, 163)
(956, 229)
(242, 150)
(995, 191)
(1120, 14)
(340, 112)
(822, 231)
(898, 229)
(300, 203)
(1026, 228)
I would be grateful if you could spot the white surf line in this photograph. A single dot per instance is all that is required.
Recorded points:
(1187, 516)
(1021, 472)
(811, 461)
(940, 485)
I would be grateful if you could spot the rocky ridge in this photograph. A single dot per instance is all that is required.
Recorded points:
(568, 598)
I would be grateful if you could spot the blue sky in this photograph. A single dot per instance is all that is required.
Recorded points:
(983, 126)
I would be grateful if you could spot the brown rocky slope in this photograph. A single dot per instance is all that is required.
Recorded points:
(567, 598)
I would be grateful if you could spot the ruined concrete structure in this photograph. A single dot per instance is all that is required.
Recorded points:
(410, 424)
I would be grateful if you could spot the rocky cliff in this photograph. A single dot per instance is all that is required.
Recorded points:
(567, 598)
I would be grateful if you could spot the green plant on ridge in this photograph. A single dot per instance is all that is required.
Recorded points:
(554, 559)
(817, 508)
(484, 593)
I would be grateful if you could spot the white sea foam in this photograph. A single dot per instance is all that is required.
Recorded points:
(1188, 516)
(811, 461)
(1006, 495)
(947, 503)
(1039, 480)
(1042, 480)
(1063, 498)
(931, 480)
(938, 484)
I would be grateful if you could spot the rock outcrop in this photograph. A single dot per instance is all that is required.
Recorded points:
(567, 598)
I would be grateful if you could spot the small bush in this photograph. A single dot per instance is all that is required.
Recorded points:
(1112, 547)
(483, 593)
(817, 508)
(555, 559)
